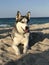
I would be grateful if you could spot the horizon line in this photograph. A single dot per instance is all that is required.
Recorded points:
(30, 17)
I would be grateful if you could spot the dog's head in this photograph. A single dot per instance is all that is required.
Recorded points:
(21, 22)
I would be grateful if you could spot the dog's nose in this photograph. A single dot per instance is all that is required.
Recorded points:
(26, 27)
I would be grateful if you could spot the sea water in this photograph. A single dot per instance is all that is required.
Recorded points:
(6, 22)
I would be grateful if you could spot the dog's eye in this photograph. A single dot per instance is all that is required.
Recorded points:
(22, 22)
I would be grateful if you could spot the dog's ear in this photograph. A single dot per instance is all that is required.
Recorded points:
(18, 16)
(28, 15)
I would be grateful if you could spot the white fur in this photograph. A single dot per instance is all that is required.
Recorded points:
(19, 26)
(24, 20)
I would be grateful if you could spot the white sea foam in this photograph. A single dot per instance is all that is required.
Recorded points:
(4, 25)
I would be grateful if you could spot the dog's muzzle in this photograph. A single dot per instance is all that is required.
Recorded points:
(26, 29)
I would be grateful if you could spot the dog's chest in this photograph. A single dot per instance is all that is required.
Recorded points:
(21, 36)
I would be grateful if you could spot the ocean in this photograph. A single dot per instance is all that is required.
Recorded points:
(6, 22)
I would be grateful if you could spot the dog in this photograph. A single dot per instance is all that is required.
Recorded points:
(20, 32)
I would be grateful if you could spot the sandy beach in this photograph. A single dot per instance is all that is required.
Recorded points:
(38, 52)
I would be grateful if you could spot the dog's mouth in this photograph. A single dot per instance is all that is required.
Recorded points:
(26, 30)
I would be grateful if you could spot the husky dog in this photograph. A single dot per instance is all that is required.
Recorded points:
(20, 32)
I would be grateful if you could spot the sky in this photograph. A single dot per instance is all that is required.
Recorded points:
(38, 8)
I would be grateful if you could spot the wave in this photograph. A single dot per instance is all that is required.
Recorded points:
(4, 25)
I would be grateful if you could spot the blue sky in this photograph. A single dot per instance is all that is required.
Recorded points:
(38, 8)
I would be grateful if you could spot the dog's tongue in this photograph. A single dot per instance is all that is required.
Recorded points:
(26, 30)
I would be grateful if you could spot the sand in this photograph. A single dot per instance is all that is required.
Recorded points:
(38, 51)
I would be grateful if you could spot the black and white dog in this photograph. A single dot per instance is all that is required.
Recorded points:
(20, 32)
